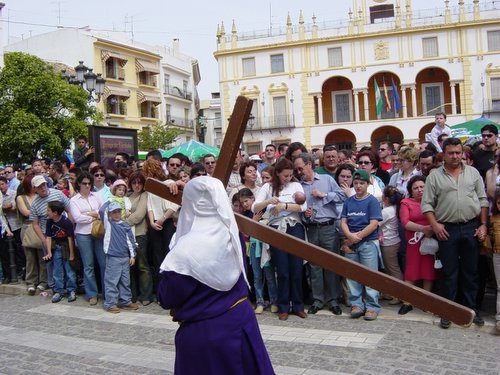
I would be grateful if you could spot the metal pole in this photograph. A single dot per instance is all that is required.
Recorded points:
(12, 259)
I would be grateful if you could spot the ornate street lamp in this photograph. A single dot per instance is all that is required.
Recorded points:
(87, 79)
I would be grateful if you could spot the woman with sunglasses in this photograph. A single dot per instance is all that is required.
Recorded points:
(84, 208)
(366, 161)
(100, 187)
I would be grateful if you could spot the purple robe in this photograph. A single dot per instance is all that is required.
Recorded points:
(214, 336)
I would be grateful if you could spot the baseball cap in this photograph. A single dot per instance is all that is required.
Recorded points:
(37, 181)
(361, 174)
(255, 158)
(114, 206)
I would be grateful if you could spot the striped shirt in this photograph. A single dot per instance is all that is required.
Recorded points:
(39, 206)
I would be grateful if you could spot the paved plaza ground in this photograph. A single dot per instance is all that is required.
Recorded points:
(40, 337)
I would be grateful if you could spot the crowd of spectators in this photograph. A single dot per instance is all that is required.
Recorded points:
(372, 205)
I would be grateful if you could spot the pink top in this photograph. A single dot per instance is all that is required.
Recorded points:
(79, 206)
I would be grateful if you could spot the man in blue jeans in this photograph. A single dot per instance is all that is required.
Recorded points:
(322, 193)
(456, 207)
(360, 217)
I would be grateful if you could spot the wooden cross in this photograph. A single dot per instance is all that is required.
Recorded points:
(427, 301)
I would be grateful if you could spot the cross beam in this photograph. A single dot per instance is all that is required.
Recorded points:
(427, 301)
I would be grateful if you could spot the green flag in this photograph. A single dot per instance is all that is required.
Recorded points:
(378, 99)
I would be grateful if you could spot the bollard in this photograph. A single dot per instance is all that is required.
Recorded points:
(12, 259)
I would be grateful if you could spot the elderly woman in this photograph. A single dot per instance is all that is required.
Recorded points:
(140, 273)
(285, 217)
(84, 208)
(408, 157)
(206, 290)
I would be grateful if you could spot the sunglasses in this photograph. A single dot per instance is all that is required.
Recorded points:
(174, 165)
(201, 174)
(99, 175)
(487, 135)
(364, 162)
(210, 162)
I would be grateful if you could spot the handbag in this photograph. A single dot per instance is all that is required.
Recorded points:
(429, 246)
(30, 238)
(97, 230)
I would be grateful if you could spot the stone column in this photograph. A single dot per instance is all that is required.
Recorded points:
(403, 102)
(367, 109)
(320, 109)
(453, 98)
(356, 105)
(413, 100)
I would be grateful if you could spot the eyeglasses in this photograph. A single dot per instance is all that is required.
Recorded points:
(99, 175)
(487, 135)
(364, 162)
(209, 162)
(86, 183)
(174, 165)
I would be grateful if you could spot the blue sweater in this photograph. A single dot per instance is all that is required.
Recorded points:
(119, 240)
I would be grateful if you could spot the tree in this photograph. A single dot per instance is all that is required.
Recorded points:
(40, 113)
(157, 136)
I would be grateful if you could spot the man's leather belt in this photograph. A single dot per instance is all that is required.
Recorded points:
(321, 224)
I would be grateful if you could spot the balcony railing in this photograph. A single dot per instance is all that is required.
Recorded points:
(175, 91)
(180, 121)
(116, 109)
(149, 112)
(272, 122)
(145, 78)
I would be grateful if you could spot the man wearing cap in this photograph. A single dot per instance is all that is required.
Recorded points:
(322, 193)
(360, 217)
(38, 214)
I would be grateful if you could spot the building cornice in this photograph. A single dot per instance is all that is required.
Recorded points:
(356, 37)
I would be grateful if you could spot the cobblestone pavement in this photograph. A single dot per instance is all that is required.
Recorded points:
(39, 337)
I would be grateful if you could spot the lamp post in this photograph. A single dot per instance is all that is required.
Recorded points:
(88, 80)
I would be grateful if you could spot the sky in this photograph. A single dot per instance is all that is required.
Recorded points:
(158, 22)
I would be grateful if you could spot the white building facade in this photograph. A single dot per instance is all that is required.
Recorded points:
(316, 83)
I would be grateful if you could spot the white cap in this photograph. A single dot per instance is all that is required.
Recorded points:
(37, 181)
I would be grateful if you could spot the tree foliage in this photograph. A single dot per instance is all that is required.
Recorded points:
(40, 113)
(157, 136)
